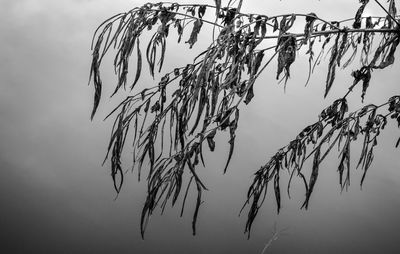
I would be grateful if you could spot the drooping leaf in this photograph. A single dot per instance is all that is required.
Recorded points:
(257, 61)
(286, 56)
(210, 140)
(275, 21)
(310, 18)
(277, 188)
(196, 210)
(249, 95)
(139, 64)
(332, 66)
(257, 25)
(195, 32)
(342, 47)
(232, 132)
(313, 178)
(95, 73)
(357, 18)
(365, 78)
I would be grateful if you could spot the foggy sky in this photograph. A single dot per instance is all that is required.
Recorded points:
(57, 198)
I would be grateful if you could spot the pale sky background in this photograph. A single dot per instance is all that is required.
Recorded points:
(56, 198)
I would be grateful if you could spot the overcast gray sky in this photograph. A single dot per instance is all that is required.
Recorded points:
(56, 197)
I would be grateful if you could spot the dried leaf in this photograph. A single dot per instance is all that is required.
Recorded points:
(210, 140)
(286, 56)
(196, 211)
(332, 66)
(179, 27)
(249, 95)
(257, 25)
(365, 78)
(264, 27)
(257, 61)
(232, 129)
(277, 188)
(138, 65)
(310, 18)
(342, 47)
(95, 73)
(275, 21)
(196, 29)
(313, 178)
(357, 18)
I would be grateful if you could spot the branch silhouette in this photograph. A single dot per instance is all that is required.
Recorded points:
(172, 121)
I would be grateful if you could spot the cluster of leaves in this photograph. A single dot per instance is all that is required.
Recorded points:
(169, 130)
(334, 127)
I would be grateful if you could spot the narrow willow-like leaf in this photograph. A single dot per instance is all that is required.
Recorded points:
(313, 178)
(332, 67)
(232, 129)
(196, 211)
(357, 19)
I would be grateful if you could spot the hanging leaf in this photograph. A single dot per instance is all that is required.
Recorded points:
(95, 73)
(342, 47)
(196, 29)
(332, 66)
(389, 59)
(366, 77)
(286, 23)
(264, 27)
(344, 165)
(210, 140)
(310, 18)
(357, 18)
(257, 25)
(275, 21)
(313, 178)
(249, 95)
(232, 129)
(138, 65)
(179, 28)
(202, 103)
(277, 190)
(196, 210)
(287, 55)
